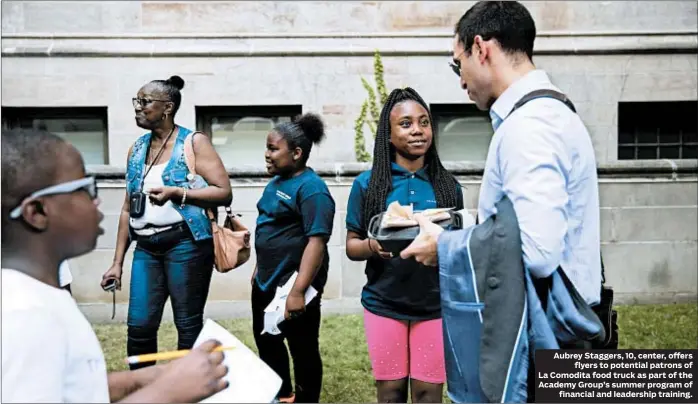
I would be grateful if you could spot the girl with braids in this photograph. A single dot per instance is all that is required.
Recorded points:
(163, 212)
(402, 313)
(296, 213)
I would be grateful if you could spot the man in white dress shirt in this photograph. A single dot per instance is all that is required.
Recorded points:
(541, 156)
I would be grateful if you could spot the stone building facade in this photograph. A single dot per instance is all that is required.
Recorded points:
(629, 67)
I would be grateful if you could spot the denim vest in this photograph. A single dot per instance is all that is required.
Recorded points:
(174, 175)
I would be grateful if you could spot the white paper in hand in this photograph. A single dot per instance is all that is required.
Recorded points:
(274, 313)
(250, 379)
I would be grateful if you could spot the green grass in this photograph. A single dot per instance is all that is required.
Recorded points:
(658, 327)
(347, 370)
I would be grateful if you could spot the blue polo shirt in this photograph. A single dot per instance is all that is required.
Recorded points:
(290, 211)
(397, 288)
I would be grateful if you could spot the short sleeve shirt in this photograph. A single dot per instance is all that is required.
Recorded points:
(50, 353)
(291, 210)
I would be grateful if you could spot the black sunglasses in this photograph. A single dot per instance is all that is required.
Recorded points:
(455, 68)
(455, 64)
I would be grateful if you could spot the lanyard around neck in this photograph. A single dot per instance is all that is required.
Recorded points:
(157, 157)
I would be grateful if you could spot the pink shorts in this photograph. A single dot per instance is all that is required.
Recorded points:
(399, 349)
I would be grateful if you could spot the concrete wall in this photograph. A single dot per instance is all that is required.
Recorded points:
(648, 230)
(284, 17)
(314, 54)
(595, 83)
(98, 53)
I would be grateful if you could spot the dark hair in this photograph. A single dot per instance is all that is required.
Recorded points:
(20, 179)
(303, 132)
(171, 87)
(509, 22)
(381, 183)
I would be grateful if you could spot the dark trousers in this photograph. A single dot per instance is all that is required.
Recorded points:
(168, 264)
(302, 334)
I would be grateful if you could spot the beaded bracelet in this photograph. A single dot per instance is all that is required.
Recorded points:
(184, 198)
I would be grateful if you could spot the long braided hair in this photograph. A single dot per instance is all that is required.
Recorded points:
(381, 183)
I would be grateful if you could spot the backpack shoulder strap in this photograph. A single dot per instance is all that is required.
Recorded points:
(544, 93)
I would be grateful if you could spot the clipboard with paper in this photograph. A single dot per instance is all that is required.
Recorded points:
(250, 379)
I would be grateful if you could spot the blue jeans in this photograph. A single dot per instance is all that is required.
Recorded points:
(168, 264)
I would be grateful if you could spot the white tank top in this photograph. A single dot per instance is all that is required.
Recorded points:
(155, 215)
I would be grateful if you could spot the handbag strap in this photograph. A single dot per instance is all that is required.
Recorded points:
(189, 155)
(190, 159)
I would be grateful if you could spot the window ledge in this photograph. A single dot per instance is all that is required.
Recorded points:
(459, 168)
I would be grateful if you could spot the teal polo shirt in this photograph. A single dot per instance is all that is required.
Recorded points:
(291, 210)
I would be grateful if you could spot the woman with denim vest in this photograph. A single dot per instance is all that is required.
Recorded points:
(164, 213)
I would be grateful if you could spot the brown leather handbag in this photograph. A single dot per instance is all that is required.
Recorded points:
(231, 242)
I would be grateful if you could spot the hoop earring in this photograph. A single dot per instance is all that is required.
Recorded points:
(164, 117)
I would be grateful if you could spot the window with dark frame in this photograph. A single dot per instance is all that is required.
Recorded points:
(657, 130)
(463, 132)
(239, 133)
(84, 127)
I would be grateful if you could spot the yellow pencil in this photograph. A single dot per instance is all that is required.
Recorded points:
(166, 356)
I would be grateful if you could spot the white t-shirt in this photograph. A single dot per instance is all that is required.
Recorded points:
(65, 278)
(49, 351)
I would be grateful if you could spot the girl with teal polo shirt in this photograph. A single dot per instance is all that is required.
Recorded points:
(402, 310)
(296, 212)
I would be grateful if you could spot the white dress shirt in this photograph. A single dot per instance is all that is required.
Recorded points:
(541, 157)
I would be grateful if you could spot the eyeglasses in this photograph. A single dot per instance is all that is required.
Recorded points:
(143, 102)
(87, 184)
(455, 64)
(455, 68)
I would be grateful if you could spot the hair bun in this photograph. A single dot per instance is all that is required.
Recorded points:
(176, 81)
(312, 126)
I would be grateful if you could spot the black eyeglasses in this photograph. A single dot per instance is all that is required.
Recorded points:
(455, 68)
(455, 64)
(143, 102)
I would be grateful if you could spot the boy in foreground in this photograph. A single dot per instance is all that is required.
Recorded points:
(50, 352)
